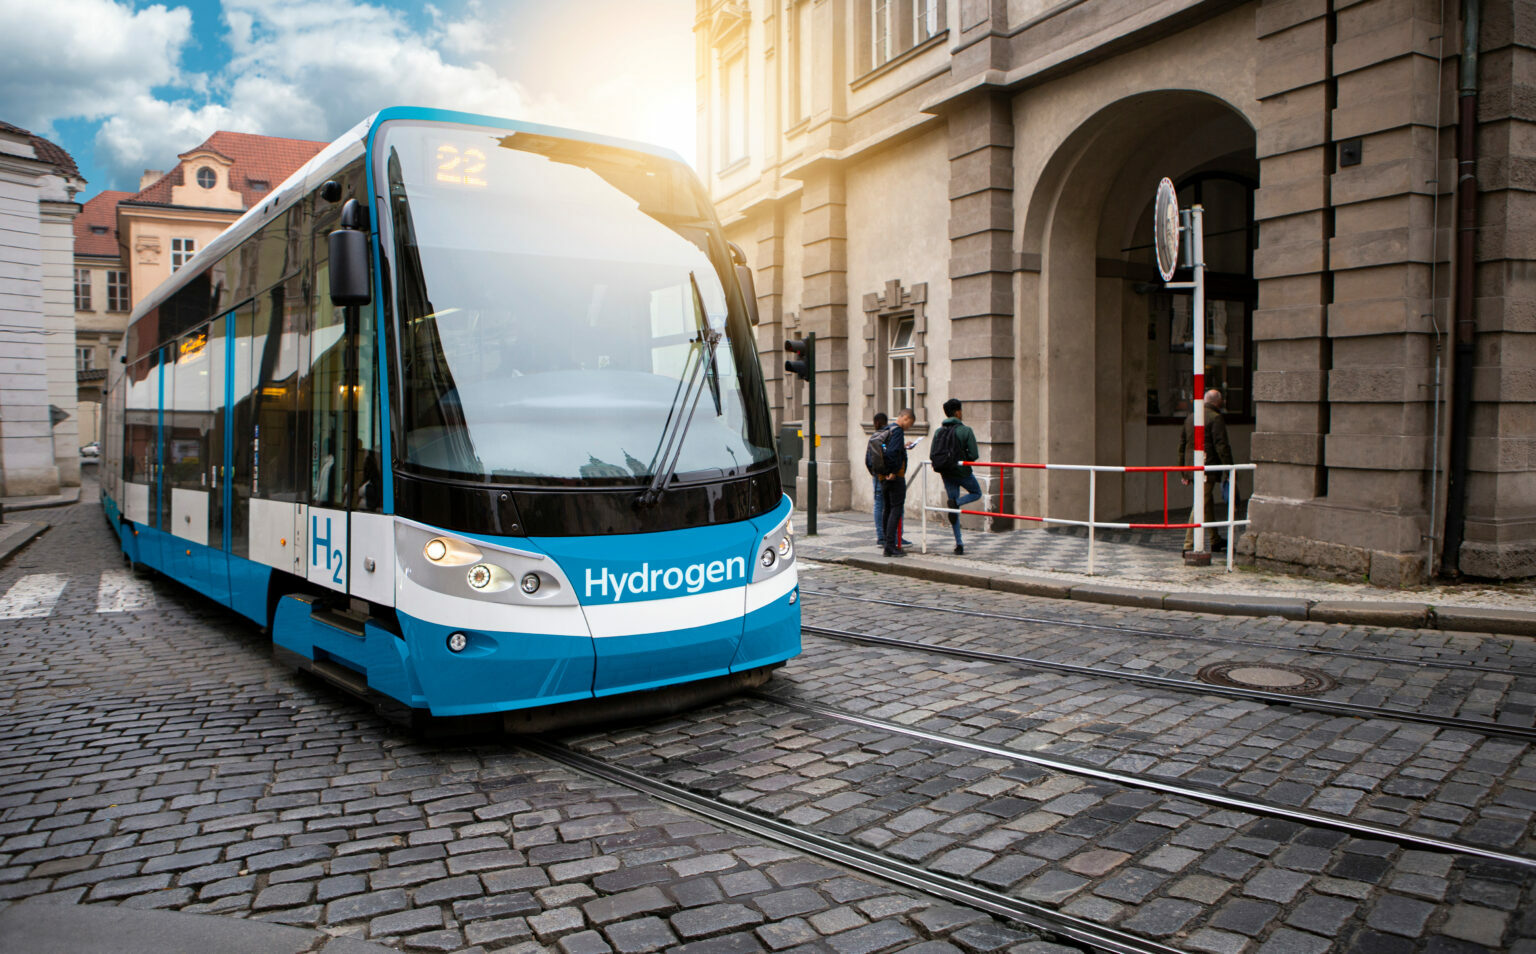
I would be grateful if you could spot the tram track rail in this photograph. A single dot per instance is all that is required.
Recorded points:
(1193, 793)
(1166, 635)
(1039, 917)
(1331, 707)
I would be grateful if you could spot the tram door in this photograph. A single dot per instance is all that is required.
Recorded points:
(332, 439)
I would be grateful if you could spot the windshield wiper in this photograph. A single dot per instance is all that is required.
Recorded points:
(670, 450)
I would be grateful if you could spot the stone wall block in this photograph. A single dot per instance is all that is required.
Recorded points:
(1384, 179)
(1297, 258)
(1284, 481)
(981, 343)
(1276, 16)
(1380, 385)
(1379, 316)
(1288, 386)
(1277, 199)
(1293, 121)
(1291, 59)
(829, 256)
(1373, 46)
(979, 212)
(1287, 448)
(979, 295)
(1291, 291)
(1382, 247)
(996, 258)
(979, 171)
(1503, 384)
(1376, 452)
(1278, 324)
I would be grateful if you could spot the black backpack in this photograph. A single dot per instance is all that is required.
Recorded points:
(945, 452)
(874, 453)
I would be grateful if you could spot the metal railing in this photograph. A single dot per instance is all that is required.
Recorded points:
(1093, 470)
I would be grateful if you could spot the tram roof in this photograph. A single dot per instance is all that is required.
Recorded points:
(332, 158)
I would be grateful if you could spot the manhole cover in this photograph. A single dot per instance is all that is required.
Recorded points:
(1268, 677)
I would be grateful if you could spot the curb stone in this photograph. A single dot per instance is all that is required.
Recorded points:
(1467, 619)
(46, 927)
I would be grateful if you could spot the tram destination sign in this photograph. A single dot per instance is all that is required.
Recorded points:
(1165, 229)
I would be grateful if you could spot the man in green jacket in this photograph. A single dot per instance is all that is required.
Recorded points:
(958, 477)
(1218, 450)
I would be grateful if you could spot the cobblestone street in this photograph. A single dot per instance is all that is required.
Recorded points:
(156, 757)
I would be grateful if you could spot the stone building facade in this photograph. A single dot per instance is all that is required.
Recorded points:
(956, 196)
(38, 184)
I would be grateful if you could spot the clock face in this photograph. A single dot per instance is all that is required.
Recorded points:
(1165, 229)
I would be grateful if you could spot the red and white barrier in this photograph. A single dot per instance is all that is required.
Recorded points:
(1093, 470)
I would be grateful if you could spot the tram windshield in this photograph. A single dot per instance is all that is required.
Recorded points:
(552, 299)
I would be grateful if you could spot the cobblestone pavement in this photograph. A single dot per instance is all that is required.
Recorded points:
(1134, 558)
(156, 757)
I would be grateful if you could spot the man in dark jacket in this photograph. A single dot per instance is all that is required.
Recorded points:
(960, 477)
(1218, 450)
(894, 481)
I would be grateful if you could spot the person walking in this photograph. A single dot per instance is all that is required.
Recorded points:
(881, 421)
(955, 442)
(894, 481)
(1218, 450)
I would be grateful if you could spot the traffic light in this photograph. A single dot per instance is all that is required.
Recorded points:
(804, 363)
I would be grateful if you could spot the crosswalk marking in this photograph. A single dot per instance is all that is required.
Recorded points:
(121, 592)
(32, 596)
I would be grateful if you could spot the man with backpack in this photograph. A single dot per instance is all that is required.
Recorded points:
(885, 458)
(1218, 450)
(955, 442)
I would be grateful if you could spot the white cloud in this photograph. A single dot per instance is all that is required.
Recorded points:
(62, 59)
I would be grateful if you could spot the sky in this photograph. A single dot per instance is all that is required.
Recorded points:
(125, 85)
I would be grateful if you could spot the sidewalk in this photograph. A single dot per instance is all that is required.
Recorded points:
(1144, 568)
(15, 534)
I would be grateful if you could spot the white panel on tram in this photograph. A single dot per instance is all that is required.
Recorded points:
(189, 515)
(325, 547)
(136, 503)
(372, 560)
(271, 534)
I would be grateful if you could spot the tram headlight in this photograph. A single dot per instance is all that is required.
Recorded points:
(446, 551)
(457, 642)
(479, 576)
(530, 583)
(769, 558)
(777, 554)
(489, 578)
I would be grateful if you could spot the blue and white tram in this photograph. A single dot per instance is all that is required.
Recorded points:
(469, 413)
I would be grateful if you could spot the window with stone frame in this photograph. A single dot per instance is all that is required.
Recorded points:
(804, 54)
(890, 28)
(82, 289)
(117, 291)
(182, 250)
(85, 359)
(895, 351)
(733, 108)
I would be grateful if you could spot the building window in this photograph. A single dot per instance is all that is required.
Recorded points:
(182, 250)
(117, 291)
(207, 178)
(82, 289)
(85, 359)
(804, 60)
(733, 101)
(895, 330)
(892, 27)
(898, 357)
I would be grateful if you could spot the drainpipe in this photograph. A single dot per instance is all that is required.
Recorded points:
(1466, 272)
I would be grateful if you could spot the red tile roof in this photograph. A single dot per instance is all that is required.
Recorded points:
(47, 152)
(260, 163)
(99, 211)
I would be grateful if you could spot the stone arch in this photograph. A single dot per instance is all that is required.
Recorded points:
(1084, 253)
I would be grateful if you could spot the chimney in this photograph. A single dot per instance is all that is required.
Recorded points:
(149, 178)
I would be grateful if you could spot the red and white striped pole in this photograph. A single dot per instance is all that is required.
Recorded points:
(1197, 259)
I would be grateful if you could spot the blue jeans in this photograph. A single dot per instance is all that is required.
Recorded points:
(952, 488)
(879, 510)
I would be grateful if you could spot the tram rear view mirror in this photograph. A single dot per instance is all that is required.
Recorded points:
(744, 279)
(349, 258)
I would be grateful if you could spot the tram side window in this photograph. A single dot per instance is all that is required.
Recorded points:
(167, 445)
(213, 433)
(279, 438)
(141, 415)
(330, 399)
(244, 362)
(188, 421)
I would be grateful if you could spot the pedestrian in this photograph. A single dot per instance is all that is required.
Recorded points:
(894, 481)
(880, 424)
(1218, 450)
(955, 442)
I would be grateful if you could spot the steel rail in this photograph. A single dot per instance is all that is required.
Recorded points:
(1160, 634)
(1078, 930)
(1480, 726)
(1064, 766)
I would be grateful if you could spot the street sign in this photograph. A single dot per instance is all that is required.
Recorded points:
(1165, 229)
